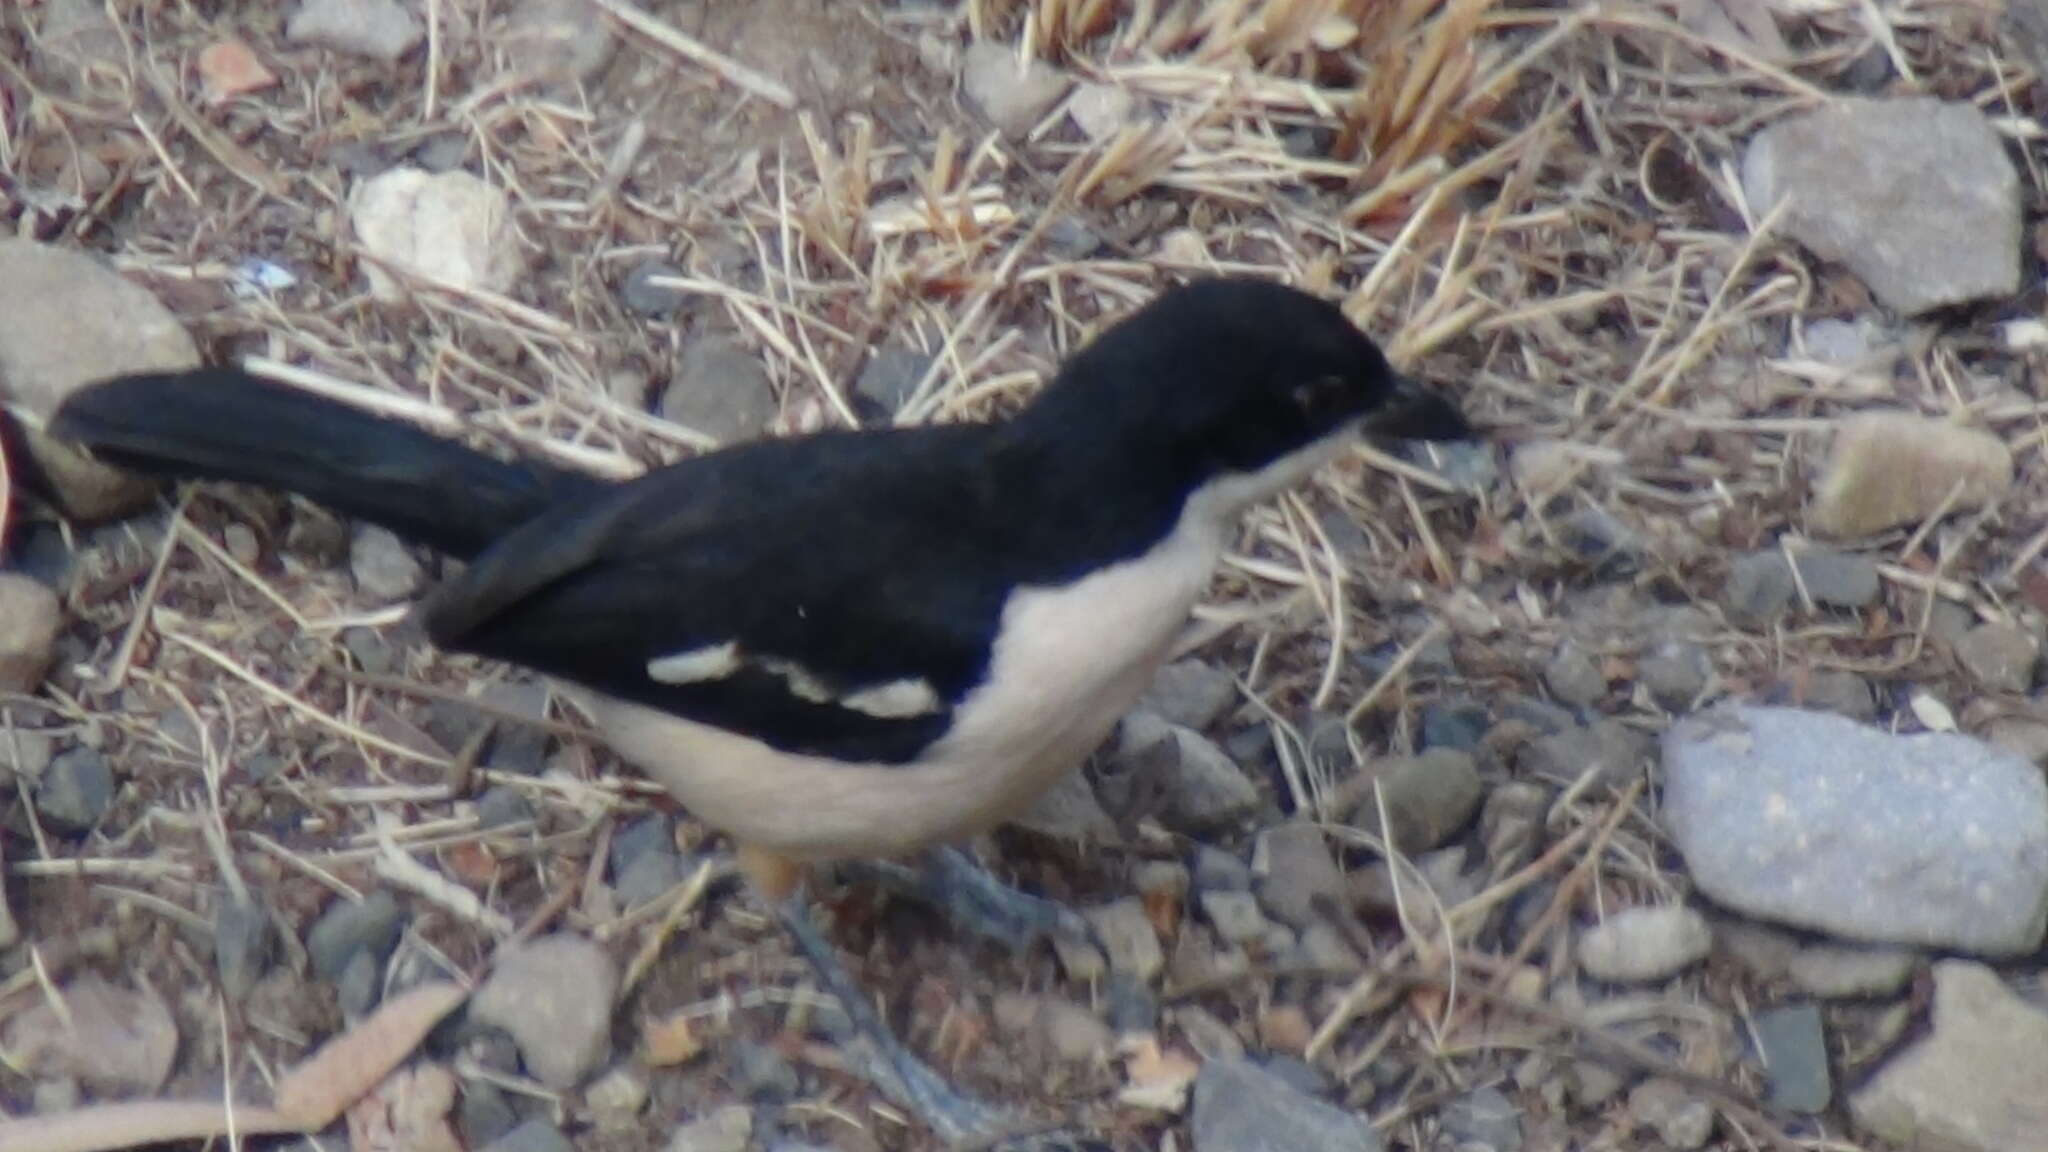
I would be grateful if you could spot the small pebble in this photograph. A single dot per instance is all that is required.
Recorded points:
(384, 568)
(75, 792)
(554, 996)
(1834, 971)
(1642, 944)
(617, 1098)
(29, 620)
(1614, 752)
(1998, 657)
(727, 1129)
(1013, 93)
(762, 1074)
(720, 389)
(347, 927)
(1675, 673)
(1573, 678)
(379, 29)
(241, 944)
(1217, 870)
(1486, 1119)
(1890, 469)
(1795, 1053)
(1235, 916)
(1298, 878)
(1679, 1119)
(648, 299)
(1427, 798)
(1191, 693)
(1128, 934)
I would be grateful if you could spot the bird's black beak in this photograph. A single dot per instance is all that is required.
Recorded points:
(1413, 412)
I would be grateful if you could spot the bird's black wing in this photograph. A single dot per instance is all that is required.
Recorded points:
(857, 580)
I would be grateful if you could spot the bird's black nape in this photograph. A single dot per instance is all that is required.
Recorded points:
(1414, 412)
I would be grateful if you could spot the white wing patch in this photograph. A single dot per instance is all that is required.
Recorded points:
(895, 700)
(714, 662)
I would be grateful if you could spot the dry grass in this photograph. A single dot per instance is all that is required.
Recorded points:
(1535, 206)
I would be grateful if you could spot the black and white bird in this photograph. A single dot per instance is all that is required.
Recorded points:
(854, 644)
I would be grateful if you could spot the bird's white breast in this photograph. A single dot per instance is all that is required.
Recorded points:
(1067, 663)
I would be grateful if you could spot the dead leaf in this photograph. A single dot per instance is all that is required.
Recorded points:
(1156, 1078)
(669, 1040)
(108, 1037)
(407, 1113)
(229, 68)
(349, 1066)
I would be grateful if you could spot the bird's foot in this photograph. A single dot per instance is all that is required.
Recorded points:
(954, 1116)
(975, 901)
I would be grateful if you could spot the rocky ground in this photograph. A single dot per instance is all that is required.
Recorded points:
(1663, 772)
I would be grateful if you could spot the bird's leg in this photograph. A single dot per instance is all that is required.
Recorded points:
(974, 900)
(952, 1115)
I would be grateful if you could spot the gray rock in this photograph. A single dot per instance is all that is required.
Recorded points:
(891, 375)
(384, 568)
(1843, 693)
(349, 926)
(241, 944)
(359, 986)
(762, 1074)
(379, 29)
(1458, 724)
(1209, 1036)
(1760, 584)
(1679, 1119)
(1974, 1083)
(1069, 237)
(1766, 953)
(648, 876)
(67, 320)
(1073, 1033)
(721, 390)
(1915, 195)
(1013, 94)
(1069, 810)
(556, 41)
(1675, 673)
(1482, 1119)
(502, 805)
(1641, 944)
(1323, 948)
(1242, 1107)
(1215, 868)
(75, 792)
(1590, 1084)
(29, 620)
(1428, 798)
(1999, 657)
(1128, 934)
(638, 294)
(1511, 823)
(1190, 693)
(1833, 971)
(1204, 788)
(554, 997)
(727, 1129)
(484, 1114)
(1573, 678)
(1297, 876)
(2022, 736)
(1235, 916)
(1795, 1052)
(535, 1135)
(1931, 840)
(1849, 343)
(1613, 751)
(1132, 1005)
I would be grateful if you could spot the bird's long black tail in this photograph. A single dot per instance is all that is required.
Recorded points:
(225, 424)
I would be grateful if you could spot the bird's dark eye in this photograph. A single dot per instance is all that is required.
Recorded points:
(1323, 396)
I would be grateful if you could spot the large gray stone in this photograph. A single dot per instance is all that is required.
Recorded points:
(1916, 196)
(1241, 1107)
(1935, 839)
(66, 320)
(1974, 1084)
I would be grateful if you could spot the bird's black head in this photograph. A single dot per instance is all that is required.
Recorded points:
(1233, 377)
